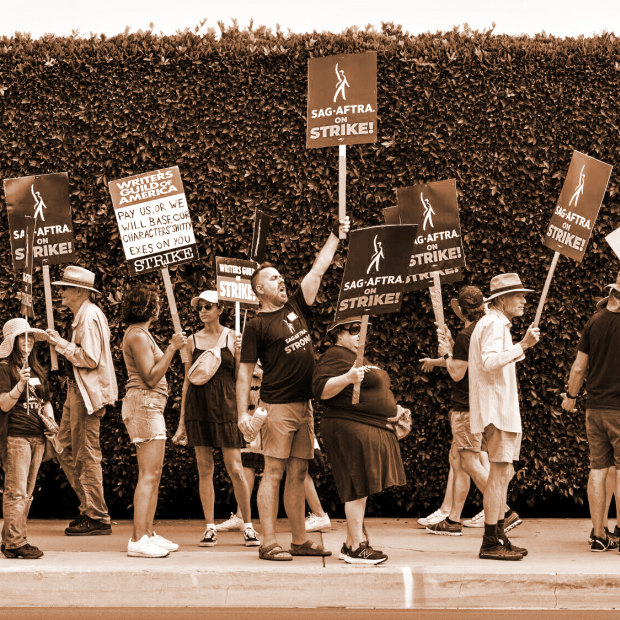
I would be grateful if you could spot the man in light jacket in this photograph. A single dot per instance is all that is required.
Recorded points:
(91, 385)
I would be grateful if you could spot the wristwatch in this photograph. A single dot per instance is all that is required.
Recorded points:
(447, 355)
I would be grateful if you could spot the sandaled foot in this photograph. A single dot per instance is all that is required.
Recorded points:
(274, 552)
(309, 548)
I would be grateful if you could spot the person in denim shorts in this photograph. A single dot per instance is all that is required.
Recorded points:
(143, 413)
(598, 362)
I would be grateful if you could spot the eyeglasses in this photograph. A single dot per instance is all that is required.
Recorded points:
(353, 329)
(206, 306)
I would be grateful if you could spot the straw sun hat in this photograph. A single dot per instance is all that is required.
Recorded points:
(14, 328)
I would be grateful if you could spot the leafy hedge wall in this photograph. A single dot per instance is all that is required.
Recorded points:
(501, 114)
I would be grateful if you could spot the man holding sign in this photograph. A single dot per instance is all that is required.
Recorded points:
(280, 338)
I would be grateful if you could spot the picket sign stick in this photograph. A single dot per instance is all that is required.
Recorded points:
(436, 300)
(245, 318)
(342, 185)
(49, 310)
(237, 317)
(543, 297)
(165, 274)
(360, 358)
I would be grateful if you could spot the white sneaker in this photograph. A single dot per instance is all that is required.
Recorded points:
(314, 523)
(476, 521)
(145, 548)
(235, 523)
(434, 517)
(164, 543)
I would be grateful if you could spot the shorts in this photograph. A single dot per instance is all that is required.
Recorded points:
(288, 430)
(462, 437)
(603, 432)
(143, 414)
(502, 446)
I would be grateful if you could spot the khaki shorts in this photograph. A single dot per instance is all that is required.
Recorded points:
(462, 437)
(288, 430)
(502, 446)
(603, 432)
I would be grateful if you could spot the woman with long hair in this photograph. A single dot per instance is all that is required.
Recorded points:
(143, 413)
(24, 397)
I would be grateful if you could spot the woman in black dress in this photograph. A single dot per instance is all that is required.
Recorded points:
(360, 441)
(209, 417)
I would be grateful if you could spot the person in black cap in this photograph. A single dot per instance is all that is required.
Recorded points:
(598, 360)
(360, 441)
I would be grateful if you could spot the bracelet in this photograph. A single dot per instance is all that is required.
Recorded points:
(335, 229)
(11, 392)
(569, 395)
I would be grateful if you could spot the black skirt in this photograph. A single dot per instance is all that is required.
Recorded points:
(365, 459)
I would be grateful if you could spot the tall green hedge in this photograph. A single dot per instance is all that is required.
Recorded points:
(501, 114)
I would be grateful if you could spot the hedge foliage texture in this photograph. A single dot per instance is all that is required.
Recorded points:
(500, 114)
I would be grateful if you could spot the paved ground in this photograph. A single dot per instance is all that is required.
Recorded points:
(423, 572)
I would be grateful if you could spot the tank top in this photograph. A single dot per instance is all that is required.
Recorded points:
(134, 380)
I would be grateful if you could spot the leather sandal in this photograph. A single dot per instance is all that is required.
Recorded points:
(274, 552)
(309, 548)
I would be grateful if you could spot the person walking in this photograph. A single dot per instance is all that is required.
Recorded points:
(91, 385)
(494, 403)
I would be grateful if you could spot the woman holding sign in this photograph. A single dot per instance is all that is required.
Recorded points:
(143, 413)
(360, 439)
(209, 413)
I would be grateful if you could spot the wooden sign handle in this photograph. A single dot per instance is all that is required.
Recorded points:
(543, 296)
(360, 358)
(165, 274)
(49, 311)
(436, 300)
(342, 184)
(237, 317)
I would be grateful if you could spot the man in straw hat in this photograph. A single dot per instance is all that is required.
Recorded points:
(494, 403)
(91, 385)
(598, 359)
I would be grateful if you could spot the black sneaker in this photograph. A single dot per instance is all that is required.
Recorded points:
(492, 549)
(364, 554)
(603, 544)
(444, 528)
(511, 520)
(27, 552)
(89, 527)
(343, 551)
(615, 535)
(77, 520)
(504, 540)
(616, 532)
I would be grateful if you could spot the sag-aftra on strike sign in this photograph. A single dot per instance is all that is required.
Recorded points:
(342, 100)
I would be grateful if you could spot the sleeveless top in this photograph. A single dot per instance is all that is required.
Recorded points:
(134, 380)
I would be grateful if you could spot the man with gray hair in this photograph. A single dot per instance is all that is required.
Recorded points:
(494, 404)
(91, 385)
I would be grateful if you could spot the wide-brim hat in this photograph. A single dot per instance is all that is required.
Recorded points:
(12, 329)
(615, 287)
(208, 296)
(336, 324)
(470, 298)
(78, 277)
(504, 284)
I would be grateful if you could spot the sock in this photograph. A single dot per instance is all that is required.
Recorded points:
(500, 526)
(247, 525)
(451, 522)
(490, 530)
(210, 526)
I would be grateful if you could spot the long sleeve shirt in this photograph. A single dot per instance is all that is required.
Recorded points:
(493, 390)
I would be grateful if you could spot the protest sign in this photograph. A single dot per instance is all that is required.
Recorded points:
(391, 215)
(262, 223)
(153, 220)
(155, 227)
(44, 197)
(614, 241)
(376, 270)
(572, 221)
(580, 199)
(342, 100)
(233, 281)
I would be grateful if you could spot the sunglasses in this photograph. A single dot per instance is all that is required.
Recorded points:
(206, 306)
(354, 329)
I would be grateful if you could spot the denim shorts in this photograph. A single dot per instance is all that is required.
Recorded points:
(143, 414)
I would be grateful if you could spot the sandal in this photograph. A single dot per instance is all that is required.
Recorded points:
(309, 548)
(274, 552)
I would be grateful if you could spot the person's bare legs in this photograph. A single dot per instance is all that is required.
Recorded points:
(461, 483)
(204, 462)
(150, 460)
(232, 462)
(610, 491)
(446, 504)
(494, 498)
(250, 476)
(294, 498)
(596, 500)
(312, 497)
(268, 498)
(354, 512)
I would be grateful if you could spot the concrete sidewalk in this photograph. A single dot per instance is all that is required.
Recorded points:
(423, 571)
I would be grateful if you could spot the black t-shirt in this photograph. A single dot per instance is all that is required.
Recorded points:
(377, 402)
(281, 341)
(600, 341)
(22, 424)
(460, 389)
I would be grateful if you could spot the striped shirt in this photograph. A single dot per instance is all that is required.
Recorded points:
(493, 391)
